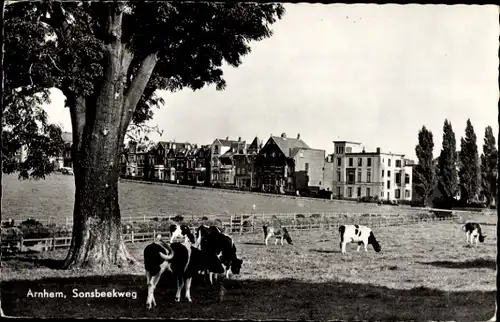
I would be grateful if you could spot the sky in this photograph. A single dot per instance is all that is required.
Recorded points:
(368, 73)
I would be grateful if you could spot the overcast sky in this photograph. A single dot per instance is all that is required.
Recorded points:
(367, 73)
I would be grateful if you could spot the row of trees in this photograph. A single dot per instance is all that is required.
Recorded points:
(453, 174)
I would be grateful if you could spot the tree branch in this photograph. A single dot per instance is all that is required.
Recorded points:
(136, 89)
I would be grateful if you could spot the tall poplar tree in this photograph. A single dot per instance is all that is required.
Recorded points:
(424, 175)
(469, 171)
(489, 170)
(447, 164)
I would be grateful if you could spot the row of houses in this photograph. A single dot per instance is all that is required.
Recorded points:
(280, 165)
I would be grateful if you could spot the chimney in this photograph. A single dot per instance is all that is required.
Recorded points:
(364, 150)
(227, 138)
(298, 136)
(283, 135)
(239, 139)
(378, 150)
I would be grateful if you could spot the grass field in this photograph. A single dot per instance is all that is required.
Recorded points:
(425, 273)
(54, 197)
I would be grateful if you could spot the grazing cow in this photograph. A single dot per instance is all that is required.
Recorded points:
(473, 230)
(277, 233)
(181, 230)
(357, 234)
(213, 240)
(182, 260)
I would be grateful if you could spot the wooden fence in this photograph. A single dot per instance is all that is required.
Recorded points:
(244, 224)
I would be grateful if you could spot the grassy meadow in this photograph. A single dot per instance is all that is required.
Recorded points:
(424, 272)
(54, 197)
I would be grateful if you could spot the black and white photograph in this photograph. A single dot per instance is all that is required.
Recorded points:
(249, 160)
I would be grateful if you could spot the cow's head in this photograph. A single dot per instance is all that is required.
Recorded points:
(212, 263)
(373, 241)
(185, 231)
(236, 265)
(286, 236)
(481, 238)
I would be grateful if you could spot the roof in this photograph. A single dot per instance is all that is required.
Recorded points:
(287, 145)
(352, 142)
(225, 142)
(67, 137)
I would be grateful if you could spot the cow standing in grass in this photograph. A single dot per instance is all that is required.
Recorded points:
(181, 259)
(474, 233)
(213, 240)
(357, 234)
(181, 231)
(278, 233)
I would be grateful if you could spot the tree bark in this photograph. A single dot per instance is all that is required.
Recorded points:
(99, 127)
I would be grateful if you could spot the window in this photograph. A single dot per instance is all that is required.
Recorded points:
(340, 150)
(407, 193)
(350, 162)
(388, 174)
(339, 162)
(350, 177)
(369, 162)
(348, 150)
(368, 192)
(307, 167)
(389, 162)
(359, 191)
(338, 191)
(382, 173)
(368, 176)
(216, 149)
(407, 178)
(397, 193)
(398, 163)
(388, 184)
(382, 194)
(242, 171)
(339, 176)
(349, 192)
(273, 154)
(320, 183)
(398, 178)
(359, 176)
(360, 162)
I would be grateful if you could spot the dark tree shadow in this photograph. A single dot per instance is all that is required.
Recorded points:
(325, 251)
(254, 243)
(244, 299)
(476, 263)
(33, 261)
(487, 224)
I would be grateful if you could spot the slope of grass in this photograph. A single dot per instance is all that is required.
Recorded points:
(424, 272)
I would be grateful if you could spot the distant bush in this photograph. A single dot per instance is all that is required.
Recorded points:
(178, 218)
(32, 229)
(12, 236)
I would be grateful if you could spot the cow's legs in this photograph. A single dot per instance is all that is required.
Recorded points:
(342, 246)
(267, 237)
(366, 247)
(180, 285)
(188, 289)
(152, 281)
(281, 240)
(467, 237)
(275, 241)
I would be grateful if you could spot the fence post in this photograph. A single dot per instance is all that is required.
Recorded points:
(144, 218)
(241, 224)
(253, 223)
(154, 234)
(231, 224)
(67, 221)
(132, 236)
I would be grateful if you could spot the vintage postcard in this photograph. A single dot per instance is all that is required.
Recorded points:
(249, 160)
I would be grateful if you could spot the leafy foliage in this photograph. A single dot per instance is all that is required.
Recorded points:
(489, 170)
(447, 163)
(425, 173)
(469, 172)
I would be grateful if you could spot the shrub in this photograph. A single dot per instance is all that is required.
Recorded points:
(32, 229)
(178, 218)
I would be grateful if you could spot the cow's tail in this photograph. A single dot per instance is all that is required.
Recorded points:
(265, 231)
(341, 230)
(463, 227)
(170, 254)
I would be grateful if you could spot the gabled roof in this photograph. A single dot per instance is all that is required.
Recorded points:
(225, 142)
(287, 145)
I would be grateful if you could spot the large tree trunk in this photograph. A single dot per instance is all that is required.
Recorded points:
(99, 126)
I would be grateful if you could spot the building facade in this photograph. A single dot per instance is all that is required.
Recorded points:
(245, 169)
(285, 165)
(221, 165)
(357, 173)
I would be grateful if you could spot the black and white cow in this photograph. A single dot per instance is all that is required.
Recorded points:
(357, 234)
(182, 259)
(213, 240)
(181, 231)
(278, 233)
(474, 232)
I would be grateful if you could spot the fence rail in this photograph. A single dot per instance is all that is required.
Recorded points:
(238, 227)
